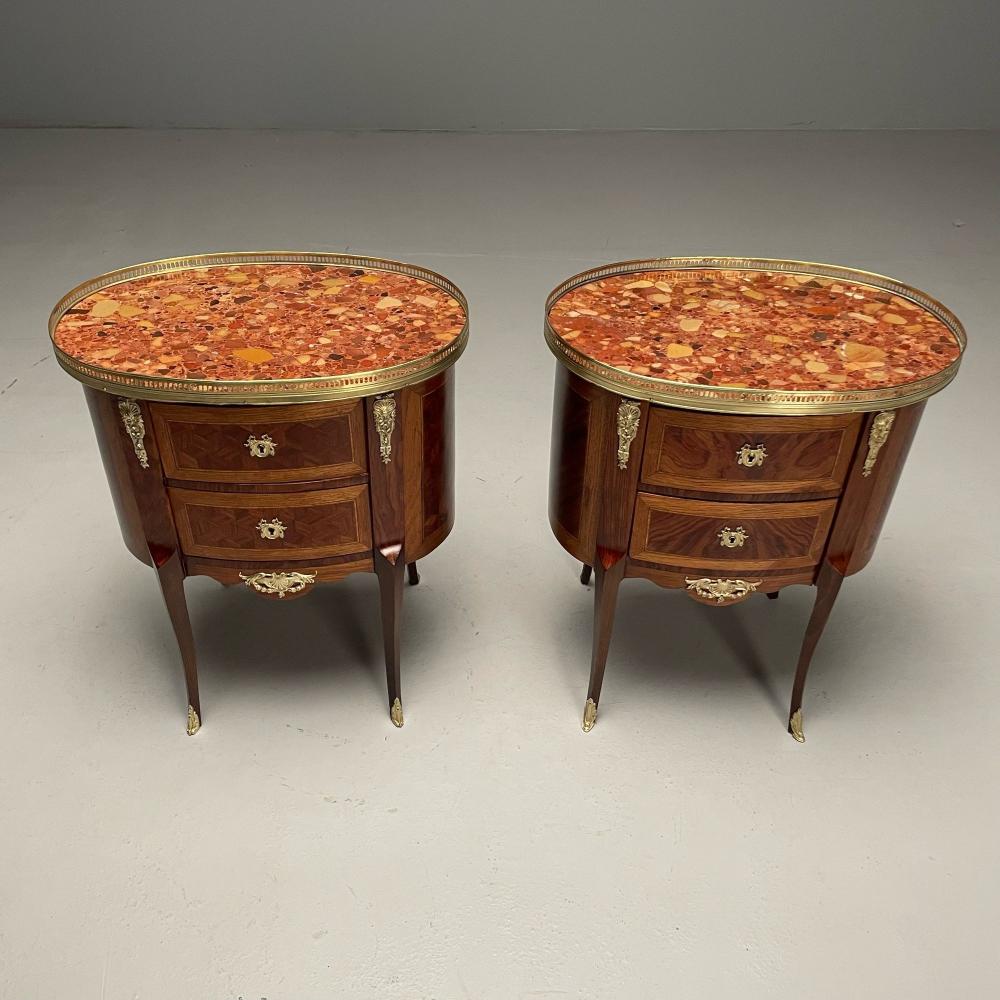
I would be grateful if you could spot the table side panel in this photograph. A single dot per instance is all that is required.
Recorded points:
(138, 492)
(578, 438)
(429, 446)
(866, 499)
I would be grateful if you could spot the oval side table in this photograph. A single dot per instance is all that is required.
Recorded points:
(275, 420)
(731, 426)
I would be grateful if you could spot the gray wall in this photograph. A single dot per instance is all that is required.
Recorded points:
(500, 64)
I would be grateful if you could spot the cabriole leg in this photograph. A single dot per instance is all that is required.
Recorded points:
(171, 577)
(827, 587)
(390, 583)
(606, 586)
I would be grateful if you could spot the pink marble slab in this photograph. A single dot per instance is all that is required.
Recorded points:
(260, 321)
(754, 329)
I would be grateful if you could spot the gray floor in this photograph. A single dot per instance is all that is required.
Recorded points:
(300, 847)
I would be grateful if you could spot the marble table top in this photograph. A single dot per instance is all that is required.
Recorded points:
(753, 332)
(325, 318)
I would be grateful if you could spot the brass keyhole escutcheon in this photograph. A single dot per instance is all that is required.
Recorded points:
(750, 457)
(271, 530)
(262, 447)
(732, 538)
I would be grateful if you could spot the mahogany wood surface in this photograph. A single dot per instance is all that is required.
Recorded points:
(827, 587)
(118, 454)
(686, 533)
(263, 488)
(171, 579)
(386, 481)
(574, 465)
(390, 583)
(698, 451)
(768, 581)
(316, 524)
(865, 503)
(320, 441)
(147, 496)
(429, 485)
(145, 517)
(617, 497)
(606, 583)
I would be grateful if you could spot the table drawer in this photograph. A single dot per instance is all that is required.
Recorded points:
(261, 444)
(729, 536)
(721, 454)
(278, 526)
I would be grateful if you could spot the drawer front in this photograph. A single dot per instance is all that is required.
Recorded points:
(719, 454)
(729, 536)
(278, 526)
(261, 444)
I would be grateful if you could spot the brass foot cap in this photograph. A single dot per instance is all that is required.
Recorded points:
(396, 714)
(589, 715)
(795, 726)
(194, 723)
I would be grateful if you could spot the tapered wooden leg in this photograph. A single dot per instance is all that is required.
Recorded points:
(606, 586)
(412, 575)
(585, 574)
(390, 583)
(827, 587)
(171, 577)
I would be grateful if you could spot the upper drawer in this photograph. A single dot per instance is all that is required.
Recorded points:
(722, 454)
(730, 536)
(261, 444)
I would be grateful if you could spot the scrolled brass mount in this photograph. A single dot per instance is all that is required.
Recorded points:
(278, 584)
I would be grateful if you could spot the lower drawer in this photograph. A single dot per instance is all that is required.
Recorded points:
(729, 536)
(273, 526)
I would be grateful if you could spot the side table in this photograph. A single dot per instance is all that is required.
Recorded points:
(731, 426)
(272, 419)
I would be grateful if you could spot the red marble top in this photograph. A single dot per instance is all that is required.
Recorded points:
(754, 329)
(260, 321)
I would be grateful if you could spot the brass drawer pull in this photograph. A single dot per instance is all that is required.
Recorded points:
(750, 457)
(732, 538)
(262, 447)
(278, 584)
(271, 530)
